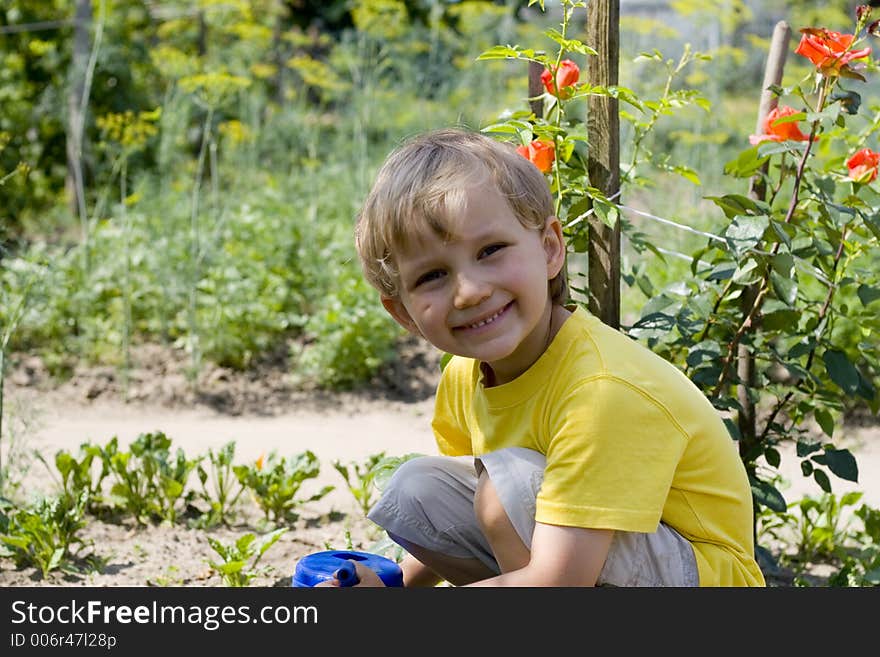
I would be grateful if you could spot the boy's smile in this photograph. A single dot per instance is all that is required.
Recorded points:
(483, 291)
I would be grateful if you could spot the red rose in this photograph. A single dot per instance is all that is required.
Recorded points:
(773, 131)
(540, 152)
(863, 165)
(827, 49)
(566, 76)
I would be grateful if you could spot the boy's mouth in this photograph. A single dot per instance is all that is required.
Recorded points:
(489, 319)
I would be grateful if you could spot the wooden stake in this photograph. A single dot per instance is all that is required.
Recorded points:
(603, 162)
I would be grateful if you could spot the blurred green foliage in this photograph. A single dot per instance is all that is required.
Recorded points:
(229, 144)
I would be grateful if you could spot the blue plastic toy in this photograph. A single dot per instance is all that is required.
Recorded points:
(320, 566)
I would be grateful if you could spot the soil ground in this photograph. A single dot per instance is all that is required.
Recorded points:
(261, 411)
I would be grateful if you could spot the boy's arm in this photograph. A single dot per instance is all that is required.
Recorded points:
(560, 556)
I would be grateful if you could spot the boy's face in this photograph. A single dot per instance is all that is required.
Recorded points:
(484, 292)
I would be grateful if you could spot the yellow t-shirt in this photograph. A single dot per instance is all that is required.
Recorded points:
(629, 441)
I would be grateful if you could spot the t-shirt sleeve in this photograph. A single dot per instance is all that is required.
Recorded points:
(454, 393)
(612, 453)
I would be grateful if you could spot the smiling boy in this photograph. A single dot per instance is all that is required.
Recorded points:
(570, 455)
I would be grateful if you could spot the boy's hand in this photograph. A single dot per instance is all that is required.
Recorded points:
(366, 576)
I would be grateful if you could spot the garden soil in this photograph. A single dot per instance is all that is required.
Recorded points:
(261, 411)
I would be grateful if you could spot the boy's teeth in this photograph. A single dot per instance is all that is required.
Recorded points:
(485, 321)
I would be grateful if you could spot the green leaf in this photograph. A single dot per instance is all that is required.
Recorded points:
(841, 371)
(841, 462)
(747, 273)
(500, 52)
(825, 420)
(822, 479)
(868, 294)
(571, 45)
(746, 163)
(229, 567)
(767, 495)
(687, 173)
(734, 204)
(805, 449)
(55, 559)
(780, 319)
(779, 229)
(873, 224)
(745, 232)
(732, 429)
(785, 288)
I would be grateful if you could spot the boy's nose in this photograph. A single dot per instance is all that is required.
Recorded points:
(470, 291)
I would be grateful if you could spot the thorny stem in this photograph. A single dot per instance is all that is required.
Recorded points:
(641, 134)
(566, 15)
(820, 329)
(792, 206)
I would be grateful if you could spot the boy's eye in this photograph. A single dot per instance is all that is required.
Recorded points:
(492, 248)
(427, 277)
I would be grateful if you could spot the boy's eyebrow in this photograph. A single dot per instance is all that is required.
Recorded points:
(417, 263)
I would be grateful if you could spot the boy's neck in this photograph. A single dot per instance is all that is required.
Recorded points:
(558, 315)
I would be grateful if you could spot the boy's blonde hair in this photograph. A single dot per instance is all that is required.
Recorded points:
(421, 187)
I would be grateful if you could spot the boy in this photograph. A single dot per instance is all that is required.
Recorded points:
(570, 454)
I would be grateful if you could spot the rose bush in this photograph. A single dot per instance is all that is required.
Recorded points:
(778, 321)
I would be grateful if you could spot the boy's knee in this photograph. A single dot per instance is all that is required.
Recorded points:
(417, 478)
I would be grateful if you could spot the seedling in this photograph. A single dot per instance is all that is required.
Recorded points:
(45, 533)
(239, 559)
(220, 487)
(275, 483)
(360, 479)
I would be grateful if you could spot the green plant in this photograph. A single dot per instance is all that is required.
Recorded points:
(149, 481)
(220, 487)
(44, 534)
(81, 475)
(170, 577)
(239, 559)
(360, 479)
(812, 530)
(275, 481)
(861, 567)
(350, 335)
(822, 528)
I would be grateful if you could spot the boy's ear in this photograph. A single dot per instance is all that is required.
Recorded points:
(554, 246)
(398, 311)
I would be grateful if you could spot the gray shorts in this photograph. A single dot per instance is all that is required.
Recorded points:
(429, 502)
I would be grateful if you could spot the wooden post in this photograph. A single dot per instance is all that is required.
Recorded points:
(536, 88)
(746, 418)
(603, 163)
